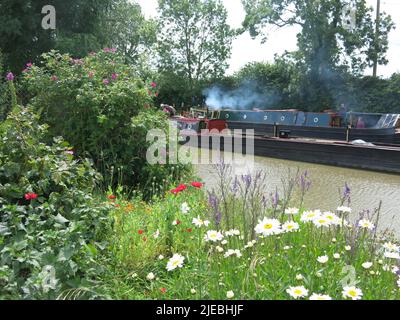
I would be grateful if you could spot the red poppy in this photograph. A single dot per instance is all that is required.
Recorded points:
(140, 231)
(163, 290)
(31, 196)
(112, 197)
(189, 230)
(197, 184)
(178, 222)
(179, 189)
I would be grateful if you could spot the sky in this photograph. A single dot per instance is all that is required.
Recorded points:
(245, 49)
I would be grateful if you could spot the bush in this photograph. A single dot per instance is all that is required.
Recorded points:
(4, 96)
(93, 103)
(51, 229)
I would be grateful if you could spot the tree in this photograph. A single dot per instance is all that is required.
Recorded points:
(195, 40)
(337, 36)
(23, 39)
(127, 29)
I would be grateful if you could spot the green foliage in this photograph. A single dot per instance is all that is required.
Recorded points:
(328, 47)
(195, 40)
(4, 93)
(52, 242)
(103, 109)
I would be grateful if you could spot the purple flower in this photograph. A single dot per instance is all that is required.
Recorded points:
(10, 76)
(71, 152)
(114, 76)
(106, 81)
(214, 203)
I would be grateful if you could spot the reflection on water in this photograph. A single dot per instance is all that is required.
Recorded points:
(367, 188)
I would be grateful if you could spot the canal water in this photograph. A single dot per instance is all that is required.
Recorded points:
(367, 188)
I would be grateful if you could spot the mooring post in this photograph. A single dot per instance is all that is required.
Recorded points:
(348, 133)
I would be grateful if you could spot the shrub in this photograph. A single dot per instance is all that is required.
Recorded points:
(51, 229)
(102, 108)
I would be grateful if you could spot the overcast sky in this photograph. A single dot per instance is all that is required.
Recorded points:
(247, 50)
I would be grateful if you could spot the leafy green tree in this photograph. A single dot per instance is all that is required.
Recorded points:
(23, 39)
(330, 43)
(129, 31)
(195, 40)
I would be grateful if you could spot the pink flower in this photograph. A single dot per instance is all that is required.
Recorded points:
(31, 196)
(153, 84)
(25, 70)
(54, 78)
(91, 74)
(106, 81)
(113, 50)
(29, 64)
(114, 76)
(10, 76)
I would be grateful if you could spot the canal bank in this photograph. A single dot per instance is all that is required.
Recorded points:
(367, 188)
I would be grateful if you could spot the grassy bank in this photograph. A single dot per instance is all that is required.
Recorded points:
(234, 243)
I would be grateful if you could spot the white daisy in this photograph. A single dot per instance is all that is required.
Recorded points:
(230, 294)
(316, 296)
(391, 247)
(320, 222)
(347, 248)
(367, 265)
(336, 255)
(392, 255)
(352, 292)
(292, 211)
(175, 262)
(193, 291)
(344, 209)
(332, 218)
(232, 233)
(308, 216)
(299, 277)
(290, 226)
(323, 259)
(150, 276)
(185, 208)
(213, 236)
(232, 252)
(366, 224)
(198, 222)
(219, 249)
(268, 227)
(297, 292)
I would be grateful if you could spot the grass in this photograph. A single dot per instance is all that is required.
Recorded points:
(266, 267)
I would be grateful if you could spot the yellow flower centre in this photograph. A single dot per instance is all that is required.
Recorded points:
(298, 292)
(175, 263)
(290, 227)
(352, 293)
(268, 226)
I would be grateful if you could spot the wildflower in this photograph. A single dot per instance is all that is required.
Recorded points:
(334, 240)
(176, 222)
(308, 216)
(332, 218)
(198, 222)
(352, 292)
(140, 232)
(224, 242)
(111, 197)
(189, 230)
(392, 255)
(323, 259)
(156, 234)
(10, 76)
(163, 290)
(297, 292)
(175, 262)
(193, 291)
(54, 78)
(150, 276)
(299, 277)
(30, 196)
(336, 255)
(213, 236)
(391, 246)
(219, 249)
(366, 224)
(319, 275)
(320, 221)
(114, 76)
(367, 265)
(344, 209)
(160, 257)
(287, 248)
(153, 84)
(29, 64)
(250, 244)
(185, 208)
(292, 211)
(268, 227)
(230, 294)
(197, 184)
(316, 296)
(179, 189)
(347, 248)
(106, 81)
(231, 252)
(232, 232)
(398, 282)
(91, 74)
(395, 269)
(290, 226)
